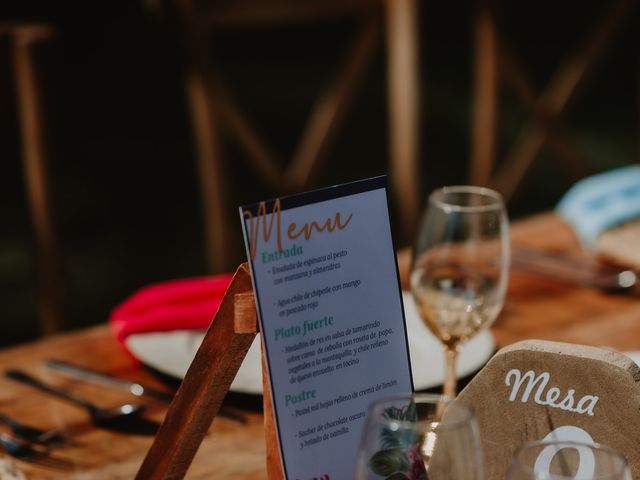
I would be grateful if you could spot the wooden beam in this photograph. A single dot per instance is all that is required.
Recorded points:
(36, 171)
(556, 97)
(485, 95)
(330, 109)
(404, 110)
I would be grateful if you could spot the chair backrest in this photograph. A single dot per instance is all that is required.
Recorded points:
(216, 116)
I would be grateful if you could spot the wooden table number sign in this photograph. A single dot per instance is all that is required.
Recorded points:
(536, 390)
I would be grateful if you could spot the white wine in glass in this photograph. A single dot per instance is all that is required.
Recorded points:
(460, 267)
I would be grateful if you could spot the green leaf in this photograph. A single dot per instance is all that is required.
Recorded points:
(393, 413)
(411, 413)
(388, 462)
(402, 437)
(390, 438)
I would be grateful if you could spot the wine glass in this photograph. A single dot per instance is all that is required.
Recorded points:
(460, 267)
(419, 436)
(562, 460)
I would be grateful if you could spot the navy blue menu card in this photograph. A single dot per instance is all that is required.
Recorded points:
(330, 309)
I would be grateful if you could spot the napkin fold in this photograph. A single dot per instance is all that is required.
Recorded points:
(602, 201)
(184, 304)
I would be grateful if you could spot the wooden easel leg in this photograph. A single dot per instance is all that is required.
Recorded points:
(205, 385)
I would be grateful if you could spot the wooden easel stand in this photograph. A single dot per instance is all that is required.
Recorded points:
(205, 385)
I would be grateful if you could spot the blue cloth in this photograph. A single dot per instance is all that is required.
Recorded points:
(602, 201)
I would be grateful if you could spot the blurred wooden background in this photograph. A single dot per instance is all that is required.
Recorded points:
(122, 159)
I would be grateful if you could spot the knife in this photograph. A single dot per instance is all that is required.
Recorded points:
(83, 373)
(584, 271)
(135, 388)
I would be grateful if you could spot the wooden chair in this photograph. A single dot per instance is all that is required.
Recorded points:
(496, 65)
(214, 114)
(23, 38)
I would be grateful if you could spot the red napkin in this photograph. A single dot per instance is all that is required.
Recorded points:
(186, 304)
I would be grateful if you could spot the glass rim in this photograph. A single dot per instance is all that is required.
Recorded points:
(624, 464)
(437, 198)
(424, 398)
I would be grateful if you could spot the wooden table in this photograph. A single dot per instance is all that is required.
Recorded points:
(536, 308)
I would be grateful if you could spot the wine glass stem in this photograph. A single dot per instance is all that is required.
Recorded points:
(450, 378)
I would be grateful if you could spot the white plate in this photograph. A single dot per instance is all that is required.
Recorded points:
(172, 352)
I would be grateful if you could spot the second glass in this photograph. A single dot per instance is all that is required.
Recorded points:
(460, 267)
(420, 437)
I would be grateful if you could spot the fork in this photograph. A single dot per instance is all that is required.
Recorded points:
(32, 434)
(20, 449)
(31, 453)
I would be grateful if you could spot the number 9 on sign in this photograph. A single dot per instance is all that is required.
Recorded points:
(567, 453)
(563, 438)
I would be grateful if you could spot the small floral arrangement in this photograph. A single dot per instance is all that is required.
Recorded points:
(400, 457)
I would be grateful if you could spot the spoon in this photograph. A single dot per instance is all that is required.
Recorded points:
(121, 418)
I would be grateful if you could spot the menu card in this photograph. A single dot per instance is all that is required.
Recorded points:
(330, 308)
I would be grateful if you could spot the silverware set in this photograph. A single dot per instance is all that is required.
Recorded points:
(27, 442)
(123, 418)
